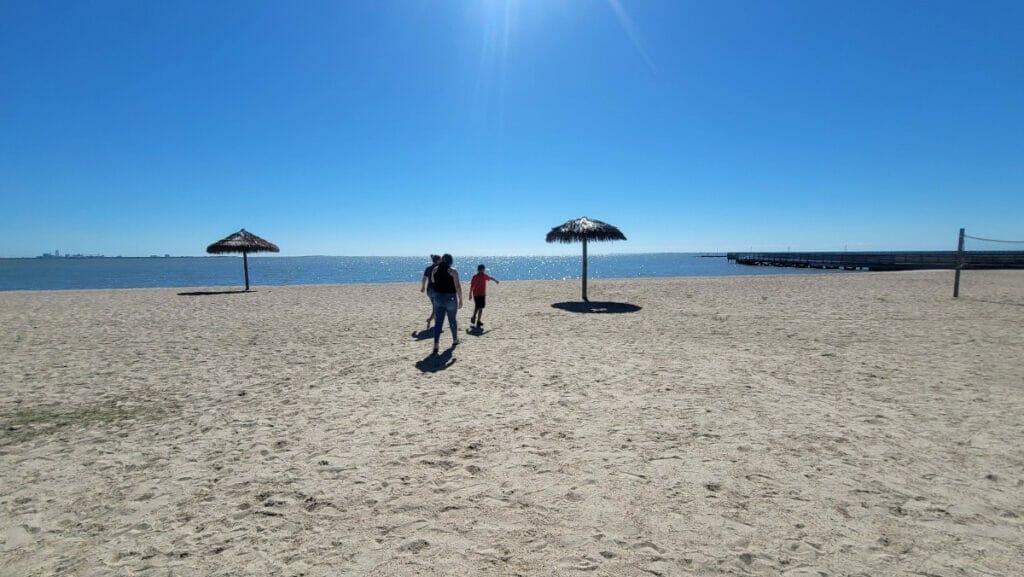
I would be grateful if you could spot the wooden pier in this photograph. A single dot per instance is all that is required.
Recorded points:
(878, 261)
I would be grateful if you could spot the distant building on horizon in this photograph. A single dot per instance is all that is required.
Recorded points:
(56, 254)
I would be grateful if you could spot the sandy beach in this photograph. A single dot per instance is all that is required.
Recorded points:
(811, 425)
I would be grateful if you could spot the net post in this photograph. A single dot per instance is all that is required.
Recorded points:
(959, 264)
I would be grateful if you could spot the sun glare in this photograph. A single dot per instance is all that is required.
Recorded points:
(499, 30)
(500, 18)
(631, 31)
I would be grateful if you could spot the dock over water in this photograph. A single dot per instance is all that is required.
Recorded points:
(882, 261)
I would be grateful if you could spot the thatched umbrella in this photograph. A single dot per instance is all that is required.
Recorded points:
(584, 229)
(244, 242)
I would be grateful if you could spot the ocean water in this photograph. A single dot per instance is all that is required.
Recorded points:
(217, 271)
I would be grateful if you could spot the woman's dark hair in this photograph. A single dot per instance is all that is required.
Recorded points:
(447, 259)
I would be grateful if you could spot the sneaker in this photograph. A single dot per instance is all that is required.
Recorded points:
(480, 325)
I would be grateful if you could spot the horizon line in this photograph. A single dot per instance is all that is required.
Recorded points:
(47, 256)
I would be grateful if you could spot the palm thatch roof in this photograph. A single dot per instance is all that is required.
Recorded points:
(242, 241)
(583, 228)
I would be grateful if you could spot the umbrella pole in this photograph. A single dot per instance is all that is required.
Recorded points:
(585, 270)
(245, 265)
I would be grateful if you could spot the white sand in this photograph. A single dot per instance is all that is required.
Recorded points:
(854, 424)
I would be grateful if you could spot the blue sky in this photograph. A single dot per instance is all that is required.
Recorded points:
(411, 126)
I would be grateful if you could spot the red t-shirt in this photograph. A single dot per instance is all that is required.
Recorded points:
(478, 284)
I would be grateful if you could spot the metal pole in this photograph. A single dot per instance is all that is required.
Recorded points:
(959, 264)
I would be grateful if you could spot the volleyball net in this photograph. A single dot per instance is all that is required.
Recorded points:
(983, 251)
(993, 240)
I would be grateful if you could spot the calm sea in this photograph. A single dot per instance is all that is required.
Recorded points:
(213, 271)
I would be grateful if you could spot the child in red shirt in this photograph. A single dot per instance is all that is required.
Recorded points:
(478, 290)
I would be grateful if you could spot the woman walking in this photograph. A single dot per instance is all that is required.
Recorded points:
(427, 285)
(447, 299)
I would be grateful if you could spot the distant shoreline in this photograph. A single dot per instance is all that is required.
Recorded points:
(48, 256)
(698, 254)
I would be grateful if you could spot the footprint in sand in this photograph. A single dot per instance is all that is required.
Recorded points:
(647, 547)
(16, 537)
(414, 546)
(582, 563)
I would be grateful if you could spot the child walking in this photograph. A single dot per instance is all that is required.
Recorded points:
(478, 290)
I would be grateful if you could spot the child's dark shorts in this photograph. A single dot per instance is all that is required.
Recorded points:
(480, 300)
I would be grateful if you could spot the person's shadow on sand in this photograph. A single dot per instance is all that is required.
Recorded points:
(424, 334)
(436, 363)
(596, 307)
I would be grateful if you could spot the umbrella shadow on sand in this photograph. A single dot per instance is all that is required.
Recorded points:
(436, 363)
(994, 302)
(596, 307)
(206, 293)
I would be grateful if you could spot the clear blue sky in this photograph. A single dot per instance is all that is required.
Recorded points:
(407, 127)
